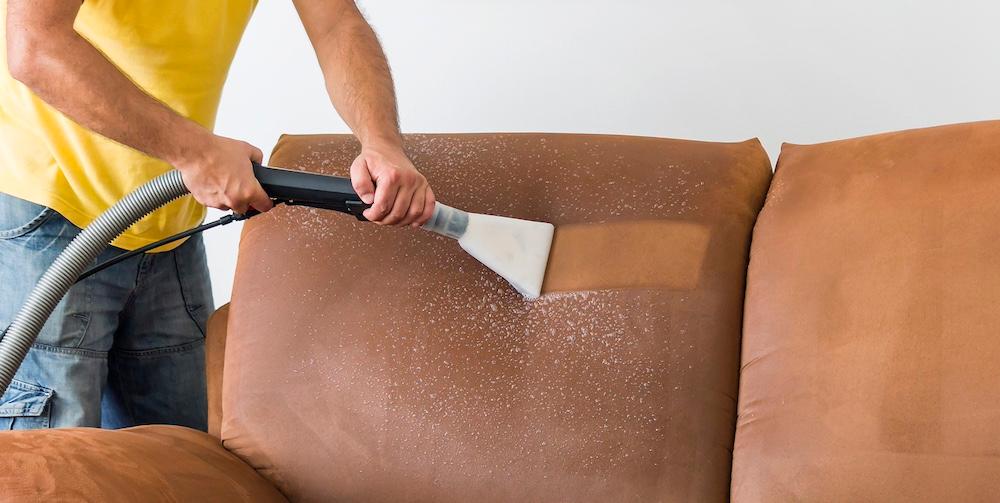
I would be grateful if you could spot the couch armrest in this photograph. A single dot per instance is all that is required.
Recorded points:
(145, 463)
(215, 356)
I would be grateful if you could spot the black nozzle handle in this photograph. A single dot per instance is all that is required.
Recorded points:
(299, 188)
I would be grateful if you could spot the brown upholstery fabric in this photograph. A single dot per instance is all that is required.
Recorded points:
(378, 364)
(145, 463)
(872, 333)
(215, 353)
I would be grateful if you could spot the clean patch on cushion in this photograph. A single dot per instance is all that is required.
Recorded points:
(635, 254)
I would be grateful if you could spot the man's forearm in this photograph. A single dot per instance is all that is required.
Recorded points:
(67, 72)
(355, 69)
(360, 86)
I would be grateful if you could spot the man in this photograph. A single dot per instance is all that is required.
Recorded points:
(103, 95)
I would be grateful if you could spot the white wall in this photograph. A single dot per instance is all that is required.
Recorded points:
(783, 70)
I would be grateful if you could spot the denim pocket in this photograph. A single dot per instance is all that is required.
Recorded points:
(19, 217)
(25, 406)
(192, 275)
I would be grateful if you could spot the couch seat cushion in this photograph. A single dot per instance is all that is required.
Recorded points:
(145, 463)
(367, 363)
(872, 332)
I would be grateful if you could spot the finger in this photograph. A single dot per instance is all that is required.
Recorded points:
(239, 206)
(399, 207)
(256, 155)
(416, 206)
(385, 194)
(260, 201)
(219, 204)
(361, 180)
(213, 202)
(429, 202)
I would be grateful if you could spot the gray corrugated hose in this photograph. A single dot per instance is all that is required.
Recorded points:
(85, 247)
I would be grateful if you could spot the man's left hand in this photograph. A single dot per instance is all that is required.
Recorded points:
(384, 177)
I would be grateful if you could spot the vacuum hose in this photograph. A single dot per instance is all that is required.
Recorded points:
(85, 247)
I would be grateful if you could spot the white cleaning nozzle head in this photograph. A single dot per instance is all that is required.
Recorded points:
(517, 250)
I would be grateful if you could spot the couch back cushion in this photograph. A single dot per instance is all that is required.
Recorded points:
(872, 333)
(382, 364)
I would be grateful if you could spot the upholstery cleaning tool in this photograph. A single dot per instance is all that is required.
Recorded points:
(515, 249)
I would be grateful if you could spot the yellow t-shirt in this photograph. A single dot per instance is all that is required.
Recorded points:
(178, 51)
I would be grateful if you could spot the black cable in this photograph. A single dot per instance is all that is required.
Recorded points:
(226, 219)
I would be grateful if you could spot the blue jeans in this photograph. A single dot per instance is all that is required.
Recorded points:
(124, 347)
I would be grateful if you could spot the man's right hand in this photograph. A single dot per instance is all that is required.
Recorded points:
(220, 175)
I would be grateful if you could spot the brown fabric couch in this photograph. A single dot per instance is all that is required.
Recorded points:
(365, 363)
